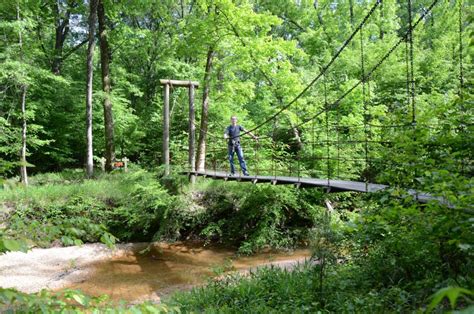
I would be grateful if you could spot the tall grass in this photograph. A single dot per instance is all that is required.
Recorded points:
(59, 192)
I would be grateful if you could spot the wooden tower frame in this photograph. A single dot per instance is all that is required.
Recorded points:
(191, 85)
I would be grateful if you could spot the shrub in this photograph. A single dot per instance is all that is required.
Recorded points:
(252, 217)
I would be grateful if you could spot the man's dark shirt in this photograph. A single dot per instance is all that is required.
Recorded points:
(234, 134)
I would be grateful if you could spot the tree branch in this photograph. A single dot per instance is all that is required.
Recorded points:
(291, 22)
(67, 54)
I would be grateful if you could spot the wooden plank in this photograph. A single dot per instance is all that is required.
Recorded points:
(179, 83)
(331, 185)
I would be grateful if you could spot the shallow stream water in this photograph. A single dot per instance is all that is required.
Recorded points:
(134, 275)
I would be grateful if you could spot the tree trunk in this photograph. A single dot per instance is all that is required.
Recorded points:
(61, 32)
(90, 73)
(297, 136)
(382, 19)
(201, 149)
(23, 172)
(62, 29)
(351, 13)
(106, 87)
(24, 88)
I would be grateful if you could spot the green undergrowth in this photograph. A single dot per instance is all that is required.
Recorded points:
(250, 217)
(346, 289)
(382, 253)
(72, 301)
(378, 253)
(125, 206)
(141, 206)
(385, 255)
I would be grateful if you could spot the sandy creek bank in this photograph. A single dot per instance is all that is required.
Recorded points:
(127, 272)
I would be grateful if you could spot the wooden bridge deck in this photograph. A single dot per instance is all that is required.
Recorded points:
(330, 185)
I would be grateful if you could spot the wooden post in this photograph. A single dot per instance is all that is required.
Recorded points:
(125, 162)
(102, 163)
(166, 122)
(192, 133)
(166, 130)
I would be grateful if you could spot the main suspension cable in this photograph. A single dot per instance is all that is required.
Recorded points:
(323, 71)
(336, 103)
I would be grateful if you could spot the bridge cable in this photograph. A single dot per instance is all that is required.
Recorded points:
(323, 71)
(411, 77)
(461, 80)
(336, 103)
(299, 143)
(461, 67)
(364, 102)
(328, 161)
(363, 79)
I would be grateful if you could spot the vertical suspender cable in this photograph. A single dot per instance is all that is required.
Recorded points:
(338, 120)
(461, 67)
(327, 130)
(412, 89)
(214, 160)
(299, 142)
(461, 77)
(273, 149)
(412, 77)
(364, 102)
(312, 142)
(256, 158)
(407, 69)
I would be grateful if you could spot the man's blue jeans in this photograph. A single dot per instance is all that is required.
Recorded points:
(240, 155)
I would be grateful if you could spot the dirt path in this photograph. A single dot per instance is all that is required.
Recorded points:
(51, 268)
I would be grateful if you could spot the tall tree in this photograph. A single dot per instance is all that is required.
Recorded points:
(106, 87)
(201, 150)
(62, 11)
(90, 73)
(24, 89)
(61, 31)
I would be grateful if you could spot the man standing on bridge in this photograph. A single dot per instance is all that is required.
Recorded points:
(232, 134)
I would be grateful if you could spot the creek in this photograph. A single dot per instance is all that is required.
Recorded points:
(150, 272)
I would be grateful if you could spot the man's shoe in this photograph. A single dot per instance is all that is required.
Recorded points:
(246, 174)
(231, 174)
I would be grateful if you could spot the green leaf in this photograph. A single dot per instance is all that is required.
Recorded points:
(78, 242)
(452, 293)
(8, 294)
(108, 239)
(81, 299)
(13, 245)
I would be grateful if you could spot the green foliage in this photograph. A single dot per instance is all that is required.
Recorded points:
(125, 206)
(453, 294)
(71, 301)
(374, 254)
(7, 245)
(76, 221)
(140, 213)
(268, 290)
(252, 217)
(396, 252)
(374, 261)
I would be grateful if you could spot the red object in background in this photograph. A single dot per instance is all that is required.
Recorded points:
(118, 164)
